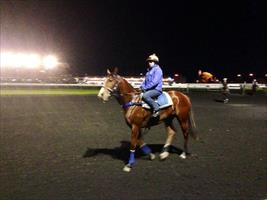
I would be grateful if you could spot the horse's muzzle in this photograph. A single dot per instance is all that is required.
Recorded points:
(100, 97)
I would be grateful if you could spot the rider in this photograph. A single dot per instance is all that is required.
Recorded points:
(152, 85)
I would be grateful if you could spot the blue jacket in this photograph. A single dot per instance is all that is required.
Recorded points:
(153, 79)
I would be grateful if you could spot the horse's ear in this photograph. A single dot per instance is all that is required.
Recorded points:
(116, 69)
(108, 72)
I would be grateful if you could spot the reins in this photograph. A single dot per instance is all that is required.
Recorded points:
(115, 92)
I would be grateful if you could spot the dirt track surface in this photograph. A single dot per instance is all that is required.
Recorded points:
(74, 147)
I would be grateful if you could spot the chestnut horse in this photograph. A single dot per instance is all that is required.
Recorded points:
(138, 117)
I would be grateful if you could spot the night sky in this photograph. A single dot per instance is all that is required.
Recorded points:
(222, 37)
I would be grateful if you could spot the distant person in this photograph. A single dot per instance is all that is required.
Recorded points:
(170, 81)
(225, 91)
(152, 85)
(206, 77)
(254, 87)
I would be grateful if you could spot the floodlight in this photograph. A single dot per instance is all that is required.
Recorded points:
(20, 60)
(26, 60)
(6, 59)
(32, 61)
(50, 62)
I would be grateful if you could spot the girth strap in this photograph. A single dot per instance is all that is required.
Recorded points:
(129, 104)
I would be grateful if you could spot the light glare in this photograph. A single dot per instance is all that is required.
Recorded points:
(33, 61)
(23, 60)
(50, 62)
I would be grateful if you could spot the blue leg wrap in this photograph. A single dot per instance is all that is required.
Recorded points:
(145, 149)
(131, 159)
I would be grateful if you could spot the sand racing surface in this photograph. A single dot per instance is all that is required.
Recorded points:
(75, 147)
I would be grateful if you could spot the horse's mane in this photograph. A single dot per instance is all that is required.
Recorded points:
(128, 84)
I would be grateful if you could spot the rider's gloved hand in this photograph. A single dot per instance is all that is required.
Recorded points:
(142, 89)
(141, 95)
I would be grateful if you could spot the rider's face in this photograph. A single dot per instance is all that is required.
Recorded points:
(150, 63)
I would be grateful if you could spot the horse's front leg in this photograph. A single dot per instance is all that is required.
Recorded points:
(134, 139)
(145, 148)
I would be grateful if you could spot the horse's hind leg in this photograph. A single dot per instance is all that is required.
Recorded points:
(184, 123)
(170, 129)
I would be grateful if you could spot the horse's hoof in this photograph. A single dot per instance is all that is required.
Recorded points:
(127, 168)
(183, 155)
(152, 156)
(164, 155)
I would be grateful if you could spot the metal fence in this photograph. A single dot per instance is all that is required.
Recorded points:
(181, 86)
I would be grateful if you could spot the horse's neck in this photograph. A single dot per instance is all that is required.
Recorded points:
(127, 92)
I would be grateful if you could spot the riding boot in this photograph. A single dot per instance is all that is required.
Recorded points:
(155, 112)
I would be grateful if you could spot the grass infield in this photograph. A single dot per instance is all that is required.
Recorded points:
(9, 91)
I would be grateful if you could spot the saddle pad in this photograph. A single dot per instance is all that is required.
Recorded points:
(164, 100)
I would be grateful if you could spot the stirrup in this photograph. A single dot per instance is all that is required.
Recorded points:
(225, 100)
(155, 113)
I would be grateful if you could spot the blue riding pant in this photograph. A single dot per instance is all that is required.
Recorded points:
(149, 97)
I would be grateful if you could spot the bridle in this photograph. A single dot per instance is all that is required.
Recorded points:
(117, 93)
(114, 91)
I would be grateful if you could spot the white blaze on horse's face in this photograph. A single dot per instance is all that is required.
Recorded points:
(108, 87)
(103, 94)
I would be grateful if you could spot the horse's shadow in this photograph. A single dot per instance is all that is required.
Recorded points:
(122, 152)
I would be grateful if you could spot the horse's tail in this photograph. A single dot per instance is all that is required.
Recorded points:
(192, 125)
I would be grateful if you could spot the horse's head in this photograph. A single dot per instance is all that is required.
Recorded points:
(110, 86)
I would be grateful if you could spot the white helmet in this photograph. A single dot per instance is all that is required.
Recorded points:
(153, 58)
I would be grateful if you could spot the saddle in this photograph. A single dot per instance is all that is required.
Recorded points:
(164, 100)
